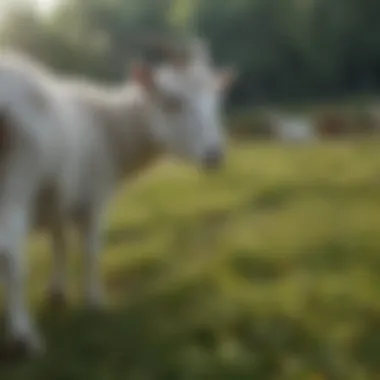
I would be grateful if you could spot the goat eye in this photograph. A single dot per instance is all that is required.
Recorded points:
(172, 104)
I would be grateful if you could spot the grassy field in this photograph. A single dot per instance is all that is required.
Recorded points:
(269, 270)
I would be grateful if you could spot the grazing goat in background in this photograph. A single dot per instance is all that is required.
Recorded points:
(65, 145)
(293, 129)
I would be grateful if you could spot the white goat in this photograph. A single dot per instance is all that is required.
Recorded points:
(65, 145)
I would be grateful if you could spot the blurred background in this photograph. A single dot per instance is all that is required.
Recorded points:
(269, 269)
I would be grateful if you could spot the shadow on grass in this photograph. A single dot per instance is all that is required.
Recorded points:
(191, 330)
(126, 234)
(258, 268)
(330, 256)
(280, 195)
(365, 346)
(162, 337)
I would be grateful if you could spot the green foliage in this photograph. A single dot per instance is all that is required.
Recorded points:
(284, 49)
(268, 270)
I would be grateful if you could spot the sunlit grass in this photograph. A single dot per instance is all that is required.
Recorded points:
(268, 270)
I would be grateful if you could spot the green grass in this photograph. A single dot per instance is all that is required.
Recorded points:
(269, 270)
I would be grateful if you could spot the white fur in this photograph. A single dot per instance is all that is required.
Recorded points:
(293, 129)
(72, 143)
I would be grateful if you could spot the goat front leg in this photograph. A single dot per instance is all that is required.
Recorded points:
(19, 181)
(19, 327)
(92, 245)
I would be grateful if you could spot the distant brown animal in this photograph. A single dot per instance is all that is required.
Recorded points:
(332, 124)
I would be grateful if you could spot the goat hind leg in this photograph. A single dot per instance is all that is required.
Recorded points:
(57, 292)
(92, 242)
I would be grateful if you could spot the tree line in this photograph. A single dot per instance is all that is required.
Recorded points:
(284, 49)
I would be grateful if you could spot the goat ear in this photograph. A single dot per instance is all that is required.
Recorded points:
(226, 78)
(142, 73)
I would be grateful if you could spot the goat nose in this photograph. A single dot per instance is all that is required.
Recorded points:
(213, 158)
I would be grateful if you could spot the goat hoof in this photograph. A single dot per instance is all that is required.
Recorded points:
(95, 302)
(20, 349)
(57, 301)
(96, 306)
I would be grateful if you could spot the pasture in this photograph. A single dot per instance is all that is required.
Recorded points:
(268, 270)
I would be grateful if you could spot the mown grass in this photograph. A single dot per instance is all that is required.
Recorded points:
(268, 270)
